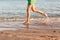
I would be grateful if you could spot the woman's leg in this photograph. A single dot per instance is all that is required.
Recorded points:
(28, 14)
(38, 11)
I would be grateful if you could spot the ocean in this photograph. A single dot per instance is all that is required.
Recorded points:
(17, 8)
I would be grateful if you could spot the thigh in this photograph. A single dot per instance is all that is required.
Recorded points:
(33, 7)
(29, 7)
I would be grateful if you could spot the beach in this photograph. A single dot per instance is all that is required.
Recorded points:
(38, 29)
(13, 15)
(30, 34)
(38, 23)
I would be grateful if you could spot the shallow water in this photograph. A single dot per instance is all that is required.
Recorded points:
(5, 29)
(15, 9)
(41, 23)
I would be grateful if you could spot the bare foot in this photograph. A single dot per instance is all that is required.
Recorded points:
(26, 23)
(45, 14)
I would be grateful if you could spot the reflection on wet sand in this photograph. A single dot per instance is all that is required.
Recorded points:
(46, 21)
(38, 29)
(27, 26)
(41, 23)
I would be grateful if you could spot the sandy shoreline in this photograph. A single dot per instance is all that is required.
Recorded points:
(22, 19)
(36, 30)
(40, 23)
(30, 34)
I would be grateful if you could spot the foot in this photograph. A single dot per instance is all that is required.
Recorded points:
(26, 23)
(45, 14)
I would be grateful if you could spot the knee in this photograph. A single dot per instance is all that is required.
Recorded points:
(33, 10)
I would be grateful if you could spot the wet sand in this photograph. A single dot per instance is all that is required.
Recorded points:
(38, 29)
(38, 23)
(30, 34)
